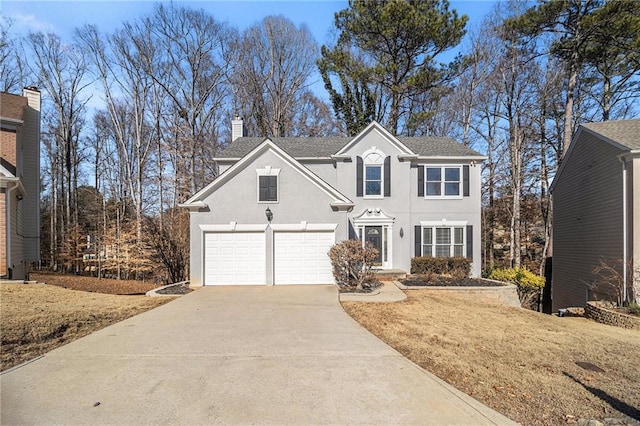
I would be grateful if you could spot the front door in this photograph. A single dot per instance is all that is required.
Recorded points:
(373, 236)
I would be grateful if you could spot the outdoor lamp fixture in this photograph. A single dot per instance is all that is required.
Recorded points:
(269, 214)
(401, 233)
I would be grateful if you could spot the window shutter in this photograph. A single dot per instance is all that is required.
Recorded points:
(359, 183)
(263, 188)
(470, 241)
(387, 176)
(420, 181)
(418, 242)
(465, 180)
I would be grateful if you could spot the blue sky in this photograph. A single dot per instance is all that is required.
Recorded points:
(61, 17)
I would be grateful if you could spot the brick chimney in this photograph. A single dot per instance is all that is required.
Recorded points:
(237, 128)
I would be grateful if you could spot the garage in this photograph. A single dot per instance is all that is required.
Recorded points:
(234, 258)
(300, 257)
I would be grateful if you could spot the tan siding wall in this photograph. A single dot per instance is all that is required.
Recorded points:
(30, 206)
(587, 219)
(3, 236)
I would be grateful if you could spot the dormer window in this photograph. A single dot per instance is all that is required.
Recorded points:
(268, 185)
(373, 175)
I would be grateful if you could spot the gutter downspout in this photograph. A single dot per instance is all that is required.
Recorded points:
(624, 228)
(8, 226)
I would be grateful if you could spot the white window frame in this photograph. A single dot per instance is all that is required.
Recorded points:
(451, 225)
(372, 158)
(268, 171)
(443, 182)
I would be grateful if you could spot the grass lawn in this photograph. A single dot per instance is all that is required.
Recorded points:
(521, 363)
(36, 318)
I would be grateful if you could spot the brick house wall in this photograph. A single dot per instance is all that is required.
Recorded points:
(3, 232)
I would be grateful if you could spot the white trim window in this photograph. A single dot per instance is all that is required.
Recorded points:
(268, 188)
(443, 181)
(373, 179)
(444, 240)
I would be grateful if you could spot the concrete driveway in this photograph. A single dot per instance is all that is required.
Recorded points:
(234, 355)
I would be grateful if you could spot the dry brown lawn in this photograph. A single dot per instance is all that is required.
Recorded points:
(36, 318)
(521, 363)
(103, 285)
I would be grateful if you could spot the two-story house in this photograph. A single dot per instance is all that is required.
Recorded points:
(278, 205)
(19, 182)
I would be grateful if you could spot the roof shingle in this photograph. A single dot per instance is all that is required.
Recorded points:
(624, 132)
(325, 147)
(12, 106)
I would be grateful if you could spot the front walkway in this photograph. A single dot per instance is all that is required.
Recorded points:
(235, 355)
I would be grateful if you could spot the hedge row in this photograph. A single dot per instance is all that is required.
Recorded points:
(454, 266)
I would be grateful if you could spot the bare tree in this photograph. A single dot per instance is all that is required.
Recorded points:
(11, 65)
(62, 72)
(272, 72)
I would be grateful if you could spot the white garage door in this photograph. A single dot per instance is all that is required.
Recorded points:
(234, 258)
(301, 257)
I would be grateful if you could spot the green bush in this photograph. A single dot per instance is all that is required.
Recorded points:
(457, 267)
(521, 277)
(634, 308)
(528, 283)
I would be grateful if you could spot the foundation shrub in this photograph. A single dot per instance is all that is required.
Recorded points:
(457, 267)
(353, 264)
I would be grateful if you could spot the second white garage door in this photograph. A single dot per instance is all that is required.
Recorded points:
(301, 257)
(234, 258)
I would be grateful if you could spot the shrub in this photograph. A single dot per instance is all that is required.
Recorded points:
(528, 283)
(457, 267)
(353, 264)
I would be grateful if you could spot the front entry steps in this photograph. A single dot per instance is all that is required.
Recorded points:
(390, 274)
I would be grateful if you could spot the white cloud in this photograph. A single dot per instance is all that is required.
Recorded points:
(26, 23)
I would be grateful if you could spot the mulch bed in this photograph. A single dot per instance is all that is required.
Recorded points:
(369, 288)
(441, 281)
(176, 289)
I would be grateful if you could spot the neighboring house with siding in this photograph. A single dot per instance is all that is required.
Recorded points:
(278, 205)
(596, 211)
(19, 182)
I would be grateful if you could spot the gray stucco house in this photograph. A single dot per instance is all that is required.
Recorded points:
(596, 211)
(278, 205)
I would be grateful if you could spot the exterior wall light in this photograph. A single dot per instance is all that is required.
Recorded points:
(269, 214)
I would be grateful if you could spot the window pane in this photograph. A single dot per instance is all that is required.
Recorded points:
(452, 175)
(443, 236)
(458, 234)
(374, 173)
(443, 251)
(451, 188)
(433, 173)
(457, 251)
(433, 188)
(426, 250)
(372, 188)
(426, 236)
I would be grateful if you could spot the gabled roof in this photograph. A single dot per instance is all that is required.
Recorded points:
(422, 147)
(375, 126)
(622, 132)
(12, 106)
(338, 200)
